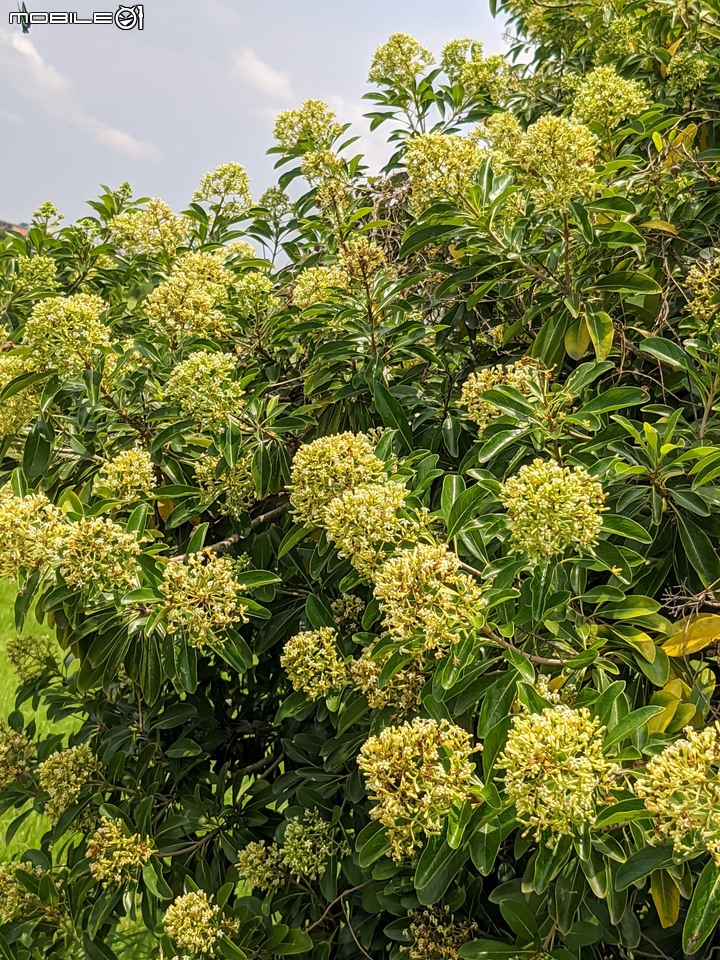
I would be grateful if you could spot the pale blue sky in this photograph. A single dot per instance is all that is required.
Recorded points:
(201, 85)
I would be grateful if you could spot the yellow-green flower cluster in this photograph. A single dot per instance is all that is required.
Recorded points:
(31, 656)
(363, 523)
(235, 485)
(606, 98)
(152, 230)
(252, 293)
(202, 597)
(551, 508)
(205, 388)
(681, 789)
(401, 691)
(16, 753)
(30, 530)
(318, 285)
(320, 165)
(502, 132)
(556, 160)
(704, 281)
(441, 167)
(47, 214)
(240, 249)
(463, 62)
(361, 258)
(276, 202)
(427, 603)
(621, 37)
(16, 901)
(519, 375)
(347, 612)
(261, 865)
(36, 273)
(116, 856)
(400, 61)
(435, 934)
(226, 187)
(63, 775)
(555, 771)
(328, 467)
(313, 123)
(192, 922)
(16, 411)
(186, 304)
(65, 333)
(687, 70)
(313, 664)
(97, 553)
(129, 475)
(308, 844)
(414, 774)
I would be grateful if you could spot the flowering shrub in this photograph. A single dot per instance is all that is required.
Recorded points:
(374, 525)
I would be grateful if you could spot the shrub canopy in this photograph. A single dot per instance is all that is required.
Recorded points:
(378, 522)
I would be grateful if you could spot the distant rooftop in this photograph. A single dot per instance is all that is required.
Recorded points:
(18, 227)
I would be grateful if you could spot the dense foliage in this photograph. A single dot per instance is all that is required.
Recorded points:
(378, 522)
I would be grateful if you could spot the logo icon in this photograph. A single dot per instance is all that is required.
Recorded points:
(128, 18)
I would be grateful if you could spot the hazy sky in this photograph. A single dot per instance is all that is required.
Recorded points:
(200, 85)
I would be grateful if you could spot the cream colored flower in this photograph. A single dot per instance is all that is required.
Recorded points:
(129, 475)
(205, 388)
(187, 303)
(314, 123)
(426, 602)
(116, 855)
(192, 922)
(261, 865)
(681, 789)
(313, 664)
(99, 554)
(551, 508)
(318, 285)
(606, 98)
(66, 334)
(202, 597)
(555, 771)
(414, 773)
(30, 532)
(63, 775)
(400, 61)
(308, 844)
(151, 230)
(520, 375)
(226, 187)
(441, 167)
(326, 468)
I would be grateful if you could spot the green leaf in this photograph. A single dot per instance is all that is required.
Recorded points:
(296, 533)
(629, 725)
(437, 868)
(625, 527)
(641, 864)
(464, 509)
(617, 398)
(487, 950)
(623, 281)
(521, 920)
(668, 352)
(704, 911)
(601, 329)
(392, 413)
(699, 550)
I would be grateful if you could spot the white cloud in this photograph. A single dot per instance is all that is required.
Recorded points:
(373, 146)
(40, 80)
(248, 66)
(8, 117)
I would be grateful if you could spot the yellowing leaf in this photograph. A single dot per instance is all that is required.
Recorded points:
(685, 714)
(660, 722)
(692, 635)
(666, 897)
(577, 340)
(662, 225)
(165, 508)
